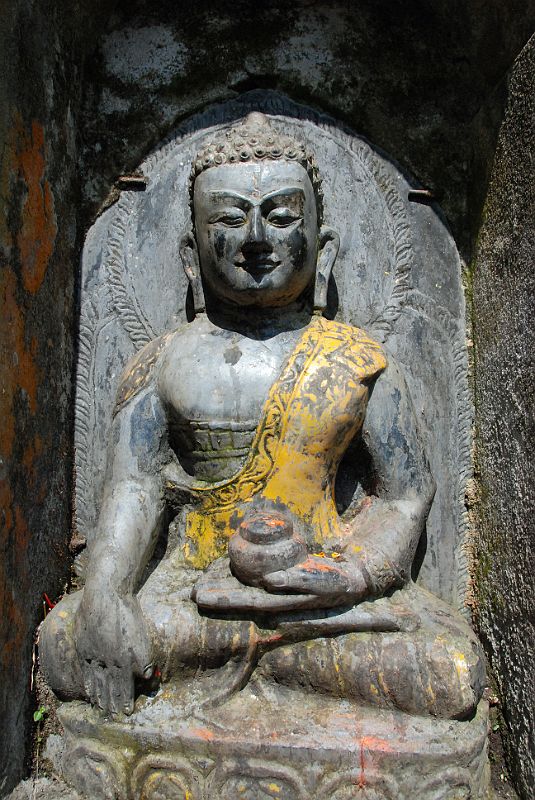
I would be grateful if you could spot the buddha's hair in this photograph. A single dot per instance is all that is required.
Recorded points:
(254, 139)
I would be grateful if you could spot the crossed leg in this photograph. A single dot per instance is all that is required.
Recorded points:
(437, 669)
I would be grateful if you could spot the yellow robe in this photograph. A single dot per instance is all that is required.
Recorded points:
(313, 411)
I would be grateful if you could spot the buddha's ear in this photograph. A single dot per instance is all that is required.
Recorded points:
(329, 243)
(189, 255)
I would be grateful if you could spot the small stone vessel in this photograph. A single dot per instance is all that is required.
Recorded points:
(264, 543)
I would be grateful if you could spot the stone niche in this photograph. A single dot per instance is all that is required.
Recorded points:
(419, 81)
(398, 277)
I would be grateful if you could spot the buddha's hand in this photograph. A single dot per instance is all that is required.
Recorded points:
(113, 647)
(334, 583)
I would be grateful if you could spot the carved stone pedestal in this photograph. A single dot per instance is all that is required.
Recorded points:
(273, 743)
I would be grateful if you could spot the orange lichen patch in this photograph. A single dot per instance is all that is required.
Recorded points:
(12, 591)
(37, 234)
(15, 525)
(22, 534)
(20, 369)
(30, 453)
(14, 623)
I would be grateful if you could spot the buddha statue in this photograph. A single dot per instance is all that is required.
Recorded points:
(221, 540)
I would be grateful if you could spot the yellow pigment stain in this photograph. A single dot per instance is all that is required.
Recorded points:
(383, 684)
(63, 614)
(461, 666)
(273, 787)
(374, 690)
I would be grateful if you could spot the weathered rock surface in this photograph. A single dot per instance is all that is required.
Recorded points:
(504, 309)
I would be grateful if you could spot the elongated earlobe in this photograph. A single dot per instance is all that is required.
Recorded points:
(189, 256)
(329, 243)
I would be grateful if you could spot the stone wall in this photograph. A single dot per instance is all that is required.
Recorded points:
(504, 373)
(40, 92)
(86, 90)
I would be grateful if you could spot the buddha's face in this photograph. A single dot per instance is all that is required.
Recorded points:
(257, 232)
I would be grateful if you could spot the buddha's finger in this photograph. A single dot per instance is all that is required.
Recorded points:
(142, 662)
(289, 580)
(275, 580)
(115, 691)
(308, 578)
(101, 688)
(127, 692)
(89, 681)
(324, 578)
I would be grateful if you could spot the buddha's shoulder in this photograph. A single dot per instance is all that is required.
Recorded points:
(140, 369)
(174, 346)
(359, 346)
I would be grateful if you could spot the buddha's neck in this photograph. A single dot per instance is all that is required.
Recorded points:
(260, 323)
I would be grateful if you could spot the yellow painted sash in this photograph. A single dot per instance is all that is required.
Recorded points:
(313, 410)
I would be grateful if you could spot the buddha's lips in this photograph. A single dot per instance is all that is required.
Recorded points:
(257, 264)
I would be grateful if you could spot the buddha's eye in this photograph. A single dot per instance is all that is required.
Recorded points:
(282, 217)
(231, 218)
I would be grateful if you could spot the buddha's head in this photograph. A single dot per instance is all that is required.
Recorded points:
(258, 238)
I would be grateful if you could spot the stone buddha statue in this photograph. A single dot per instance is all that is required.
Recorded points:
(222, 546)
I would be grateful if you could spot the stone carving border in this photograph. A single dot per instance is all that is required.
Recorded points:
(449, 330)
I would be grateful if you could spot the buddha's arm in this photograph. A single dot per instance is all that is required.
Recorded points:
(111, 639)
(378, 546)
(133, 505)
(388, 528)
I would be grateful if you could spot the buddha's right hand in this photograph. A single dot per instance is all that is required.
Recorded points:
(113, 646)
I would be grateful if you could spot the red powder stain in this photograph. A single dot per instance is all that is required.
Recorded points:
(362, 778)
(375, 743)
(203, 733)
(369, 743)
(270, 639)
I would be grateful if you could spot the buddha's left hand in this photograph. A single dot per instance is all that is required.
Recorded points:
(337, 583)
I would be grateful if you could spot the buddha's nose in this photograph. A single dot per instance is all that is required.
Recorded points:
(256, 233)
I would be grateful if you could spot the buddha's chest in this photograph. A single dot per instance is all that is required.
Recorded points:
(214, 389)
(220, 379)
